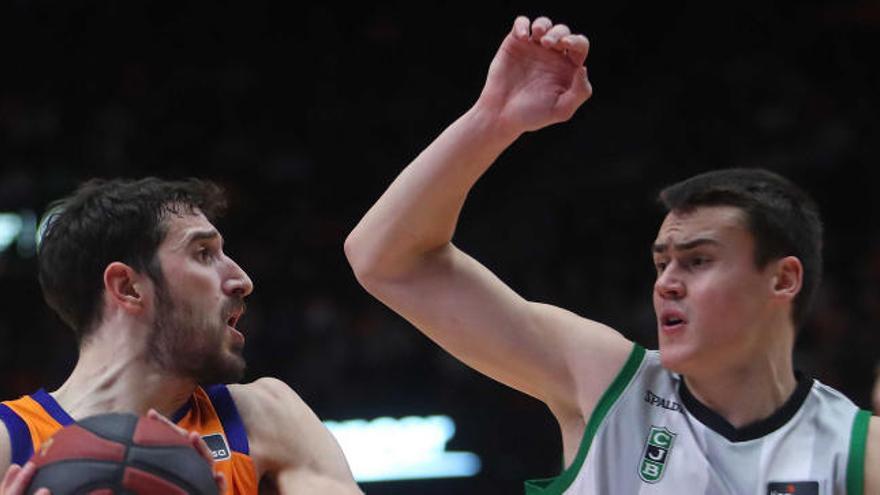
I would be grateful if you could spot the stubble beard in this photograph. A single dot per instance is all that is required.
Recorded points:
(192, 345)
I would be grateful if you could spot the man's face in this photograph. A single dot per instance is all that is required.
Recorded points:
(199, 303)
(711, 301)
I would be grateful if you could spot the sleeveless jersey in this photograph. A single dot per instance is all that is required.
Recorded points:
(649, 435)
(32, 419)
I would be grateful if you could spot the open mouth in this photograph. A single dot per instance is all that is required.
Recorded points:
(235, 316)
(672, 319)
(236, 336)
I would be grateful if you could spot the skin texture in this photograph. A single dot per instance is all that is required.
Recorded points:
(159, 339)
(737, 336)
(872, 458)
(707, 278)
(711, 286)
(402, 250)
(191, 335)
(875, 394)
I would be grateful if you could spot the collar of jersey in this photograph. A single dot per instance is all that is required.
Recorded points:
(751, 431)
(51, 406)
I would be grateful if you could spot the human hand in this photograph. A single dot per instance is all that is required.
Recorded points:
(537, 77)
(196, 440)
(17, 478)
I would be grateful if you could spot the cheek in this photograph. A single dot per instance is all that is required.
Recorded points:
(716, 304)
(197, 289)
(718, 295)
(729, 302)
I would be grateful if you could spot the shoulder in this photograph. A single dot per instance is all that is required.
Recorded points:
(872, 458)
(593, 354)
(273, 413)
(287, 440)
(265, 396)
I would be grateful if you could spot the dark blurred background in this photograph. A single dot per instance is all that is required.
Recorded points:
(305, 112)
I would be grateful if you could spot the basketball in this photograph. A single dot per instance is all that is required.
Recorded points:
(120, 454)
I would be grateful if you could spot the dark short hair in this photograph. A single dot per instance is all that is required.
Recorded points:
(782, 218)
(105, 221)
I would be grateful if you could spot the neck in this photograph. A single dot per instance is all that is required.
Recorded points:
(113, 374)
(750, 381)
(749, 394)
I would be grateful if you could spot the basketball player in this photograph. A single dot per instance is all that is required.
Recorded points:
(138, 271)
(719, 409)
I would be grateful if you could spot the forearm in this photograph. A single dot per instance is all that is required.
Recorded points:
(419, 211)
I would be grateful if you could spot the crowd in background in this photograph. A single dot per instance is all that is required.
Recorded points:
(304, 115)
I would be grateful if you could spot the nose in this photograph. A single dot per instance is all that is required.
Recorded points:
(238, 283)
(669, 285)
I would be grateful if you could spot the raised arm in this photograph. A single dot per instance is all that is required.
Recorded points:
(289, 443)
(402, 253)
(5, 448)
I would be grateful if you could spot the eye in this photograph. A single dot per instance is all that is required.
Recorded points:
(698, 261)
(205, 254)
(660, 266)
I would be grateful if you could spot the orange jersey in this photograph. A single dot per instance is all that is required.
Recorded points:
(32, 419)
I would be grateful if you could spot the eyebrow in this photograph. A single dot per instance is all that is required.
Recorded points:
(201, 235)
(684, 246)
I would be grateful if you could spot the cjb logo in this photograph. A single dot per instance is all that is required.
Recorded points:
(657, 448)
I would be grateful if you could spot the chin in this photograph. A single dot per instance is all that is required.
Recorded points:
(675, 358)
(233, 372)
(226, 368)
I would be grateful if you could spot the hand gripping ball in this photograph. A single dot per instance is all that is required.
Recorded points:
(116, 454)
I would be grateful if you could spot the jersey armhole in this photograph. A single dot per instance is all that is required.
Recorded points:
(557, 485)
(229, 417)
(19, 435)
(855, 466)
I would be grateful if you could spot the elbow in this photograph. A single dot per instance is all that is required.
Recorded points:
(380, 266)
(354, 252)
(380, 263)
(364, 265)
(351, 248)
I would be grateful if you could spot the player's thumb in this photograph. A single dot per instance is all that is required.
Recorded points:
(578, 92)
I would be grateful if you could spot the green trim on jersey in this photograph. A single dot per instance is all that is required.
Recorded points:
(855, 466)
(557, 485)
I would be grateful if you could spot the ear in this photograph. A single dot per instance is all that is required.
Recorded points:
(788, 277)
(125, 287)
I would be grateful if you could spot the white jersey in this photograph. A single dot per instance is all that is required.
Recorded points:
(649, 435)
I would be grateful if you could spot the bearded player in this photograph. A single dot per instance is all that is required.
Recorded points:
(138, 271)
